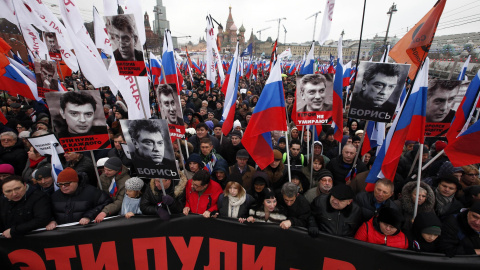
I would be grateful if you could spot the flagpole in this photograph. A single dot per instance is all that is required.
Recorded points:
(418, 181)
(308, 140)
(96, 170)
(414, 161)
(359, 43)
(140, 96)
(288, 154)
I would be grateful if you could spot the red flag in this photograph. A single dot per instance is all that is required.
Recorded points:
(414, 46)
(3, 119)
(464, 150)
(4, 49)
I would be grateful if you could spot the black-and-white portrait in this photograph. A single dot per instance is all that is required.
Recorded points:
(169, 104)
(150, 147)
(46, 74)
(50, 38)
(377, 90)
(77, 113)
(441, 96)
(123, 34)
(314, 94)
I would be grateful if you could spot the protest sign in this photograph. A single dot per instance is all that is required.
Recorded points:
(46, 75)
(43, 144)
(150, 147)
(78, 120)
(127, 49)
(314, 99)
(377, 90)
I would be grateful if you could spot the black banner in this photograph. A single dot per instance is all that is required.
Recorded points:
(194, 242)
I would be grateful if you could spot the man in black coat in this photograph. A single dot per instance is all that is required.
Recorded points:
(335, 213)
(342, 165)
(296, 206)
(372, 202)
(460, 233)
(22, 208)
(12, 151)
(76, 201)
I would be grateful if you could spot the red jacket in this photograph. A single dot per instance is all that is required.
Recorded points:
(207, 201)
(368, 233)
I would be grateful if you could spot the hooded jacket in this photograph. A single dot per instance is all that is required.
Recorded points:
(199, 203)
(220, 166)
(407, 204)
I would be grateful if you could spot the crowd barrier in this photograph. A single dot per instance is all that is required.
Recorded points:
(194, 242)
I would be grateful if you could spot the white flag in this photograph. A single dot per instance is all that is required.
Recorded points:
(101, 38)
(7, 11)
(110, 8)
(213, 56)
(326, 22)
(88, 57)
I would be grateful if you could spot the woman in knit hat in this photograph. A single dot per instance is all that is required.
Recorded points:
(384, 229)
(131, 200)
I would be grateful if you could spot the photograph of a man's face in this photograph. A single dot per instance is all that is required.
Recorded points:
(46, 74)
(314, 93)
(169, 104)
(377, 89)
(441, 96)
(50, 39)
(75, 113)
(123, 35)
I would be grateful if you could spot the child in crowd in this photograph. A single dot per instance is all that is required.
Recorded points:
(131, 202)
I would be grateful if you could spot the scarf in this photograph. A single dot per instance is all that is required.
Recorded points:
(34, 163)
(442, 202)
(234, 204)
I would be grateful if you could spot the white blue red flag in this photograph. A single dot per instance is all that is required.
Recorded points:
(230, 87)
(269, 115)
(309, 61)
(464, 150)
(462, 76)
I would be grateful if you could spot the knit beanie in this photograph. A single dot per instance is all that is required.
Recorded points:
(134, 183)
(67, 175)
(324, 173)
(114, 163)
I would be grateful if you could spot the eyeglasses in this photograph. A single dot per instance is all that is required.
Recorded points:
(66, 184)
(6, 140)
(471, 174)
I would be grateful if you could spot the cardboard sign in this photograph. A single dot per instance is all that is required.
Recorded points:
(377, 90)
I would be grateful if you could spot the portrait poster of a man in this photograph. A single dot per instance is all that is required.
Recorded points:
(314, 97)
(78, 120)
(150, 147)
(50, 39)
(377, 90)
(46, 75)
(126, 46)
(170, 109)
(443, 99)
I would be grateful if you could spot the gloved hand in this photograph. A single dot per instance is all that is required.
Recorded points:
(313, 231)
(163, 213)
(167, 199)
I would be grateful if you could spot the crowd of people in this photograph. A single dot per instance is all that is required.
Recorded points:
(323, 193)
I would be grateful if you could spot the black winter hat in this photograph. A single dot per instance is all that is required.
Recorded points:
(342, 192)
(324, 173)
(114, 163)
(390, 216)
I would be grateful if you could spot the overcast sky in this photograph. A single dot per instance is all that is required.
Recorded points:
(187, 17)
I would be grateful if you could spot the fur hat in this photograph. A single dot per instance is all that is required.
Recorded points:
(390, 216)
(134, 183)
(67, 175)
(114, 163)
(277, 154)
(342, 192)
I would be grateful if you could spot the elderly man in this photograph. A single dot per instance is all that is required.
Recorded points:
(341, 166)
(12, 151)
(22, 208)
(297, 207)
(440, 100)
(372, 202)
(313, 92)
(74, 201)
(460, 233)
(336, 213)
(324, 186)
(113, 179)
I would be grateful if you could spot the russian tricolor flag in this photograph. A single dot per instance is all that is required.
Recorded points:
(466, 108)
(230, 88)
(461, 76)
(412, 115)
(269, 115)
(155, 67)
(15, 82)
(464, 150)
(168, 61)
(337, 105)
(309, 61)
(346, 74)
